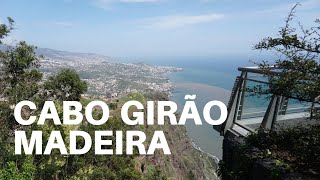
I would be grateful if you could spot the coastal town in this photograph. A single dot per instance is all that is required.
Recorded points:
(106, 78)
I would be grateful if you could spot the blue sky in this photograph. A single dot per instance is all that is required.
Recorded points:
(133, 28)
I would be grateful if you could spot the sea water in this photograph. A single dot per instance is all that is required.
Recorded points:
(209, 79)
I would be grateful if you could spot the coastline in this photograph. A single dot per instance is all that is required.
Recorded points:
(204, 138)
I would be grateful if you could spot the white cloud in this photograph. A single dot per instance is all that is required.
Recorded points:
(169, 22)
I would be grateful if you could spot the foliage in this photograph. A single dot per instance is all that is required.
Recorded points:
(6, 28)
(20, 79)
(295, 74)
(113, 106)
(298, 69)
(154, 173)
(298, 147)
(65, 86)
(131, 97)
(10, 171)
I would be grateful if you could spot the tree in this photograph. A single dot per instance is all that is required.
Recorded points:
(18, 81)
(21, 78)
(6, 28)
(298, 65)
(65, 86)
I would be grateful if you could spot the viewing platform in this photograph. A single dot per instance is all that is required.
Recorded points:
(248, 112)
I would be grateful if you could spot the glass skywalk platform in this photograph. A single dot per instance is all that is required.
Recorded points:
(249, 112)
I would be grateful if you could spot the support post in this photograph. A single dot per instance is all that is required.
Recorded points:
(233, 105)
(271, 115)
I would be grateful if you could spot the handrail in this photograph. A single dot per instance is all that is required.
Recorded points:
(258, 70)
(278, 106)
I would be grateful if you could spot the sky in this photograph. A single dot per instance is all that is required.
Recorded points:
(134, 28)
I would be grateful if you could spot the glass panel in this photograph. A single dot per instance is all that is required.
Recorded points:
(297, 113)
(254, 105)
(295, 106)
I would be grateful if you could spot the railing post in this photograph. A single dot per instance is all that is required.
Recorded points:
(284, 106)
(233, 106)
(271, 115)
(242, 91)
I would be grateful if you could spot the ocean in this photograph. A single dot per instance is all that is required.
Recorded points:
(209, 79)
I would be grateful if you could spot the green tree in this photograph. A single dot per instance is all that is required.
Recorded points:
(20, 78)
(18, 81)
(298, 67)
(65, 86)
(6, 28)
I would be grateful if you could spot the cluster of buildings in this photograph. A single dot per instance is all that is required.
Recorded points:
(110, 79)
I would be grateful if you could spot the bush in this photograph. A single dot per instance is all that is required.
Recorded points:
(297, 147)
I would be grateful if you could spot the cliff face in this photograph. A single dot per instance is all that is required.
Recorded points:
(185, 162)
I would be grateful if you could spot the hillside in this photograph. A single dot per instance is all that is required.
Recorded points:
(185, 162)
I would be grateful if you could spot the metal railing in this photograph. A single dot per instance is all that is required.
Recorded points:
(243, 119)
